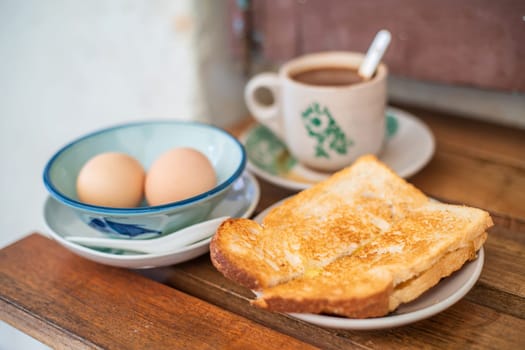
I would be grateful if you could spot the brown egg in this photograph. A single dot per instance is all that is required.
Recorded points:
(178, 174)
(111, 180)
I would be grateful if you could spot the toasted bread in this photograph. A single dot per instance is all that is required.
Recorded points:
(449, 263)
(357, 244)
(381, 275)
(314, 227)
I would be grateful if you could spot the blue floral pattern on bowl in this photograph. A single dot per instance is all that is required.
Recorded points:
(130, 230)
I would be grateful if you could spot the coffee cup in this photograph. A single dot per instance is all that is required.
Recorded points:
(324, 112)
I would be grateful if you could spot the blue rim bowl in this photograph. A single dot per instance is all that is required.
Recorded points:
(145, 141)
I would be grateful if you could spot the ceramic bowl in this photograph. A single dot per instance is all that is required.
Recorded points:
(145, 141)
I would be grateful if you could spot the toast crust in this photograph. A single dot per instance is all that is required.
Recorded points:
(227, 265)
(376, 304)
(451, 262)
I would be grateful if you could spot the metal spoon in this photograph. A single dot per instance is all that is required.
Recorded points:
(374, 54)
(170, 242)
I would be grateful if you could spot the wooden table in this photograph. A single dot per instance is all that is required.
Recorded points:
(68, 302)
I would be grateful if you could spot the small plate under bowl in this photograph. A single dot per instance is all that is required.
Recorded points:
(62, 221)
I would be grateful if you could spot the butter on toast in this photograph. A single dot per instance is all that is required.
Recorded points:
(357, 244)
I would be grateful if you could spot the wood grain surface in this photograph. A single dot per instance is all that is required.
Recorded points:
(69, 302)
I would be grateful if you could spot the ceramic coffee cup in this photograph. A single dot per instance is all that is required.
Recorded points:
(325, 117)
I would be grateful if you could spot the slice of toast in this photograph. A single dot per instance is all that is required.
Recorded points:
(357, 245)
(373, 293)
(314, 227)
(394, 268)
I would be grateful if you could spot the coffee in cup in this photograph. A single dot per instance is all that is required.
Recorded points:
(328, 76)
(324, 112)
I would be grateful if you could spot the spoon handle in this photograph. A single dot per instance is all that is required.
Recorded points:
(170, 242)
(374, 54)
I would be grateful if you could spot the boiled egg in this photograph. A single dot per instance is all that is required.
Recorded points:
(111, 179)
(178, 174)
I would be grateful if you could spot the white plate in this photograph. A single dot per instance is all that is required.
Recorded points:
(61, 221)
(409, 146)
(440, 297)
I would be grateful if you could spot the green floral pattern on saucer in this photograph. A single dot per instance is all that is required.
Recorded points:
(392, 124)
(268, 152)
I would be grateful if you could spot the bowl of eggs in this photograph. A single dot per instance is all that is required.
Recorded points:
(145, 179)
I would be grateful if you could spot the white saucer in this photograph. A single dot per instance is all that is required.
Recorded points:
(61, 221)
(409, 146)
(445, 294)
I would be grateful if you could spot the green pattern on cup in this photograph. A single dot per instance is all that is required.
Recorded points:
(268, 152)
(324, 129)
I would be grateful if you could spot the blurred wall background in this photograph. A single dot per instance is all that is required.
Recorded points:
(461, 57)
(71, 67)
